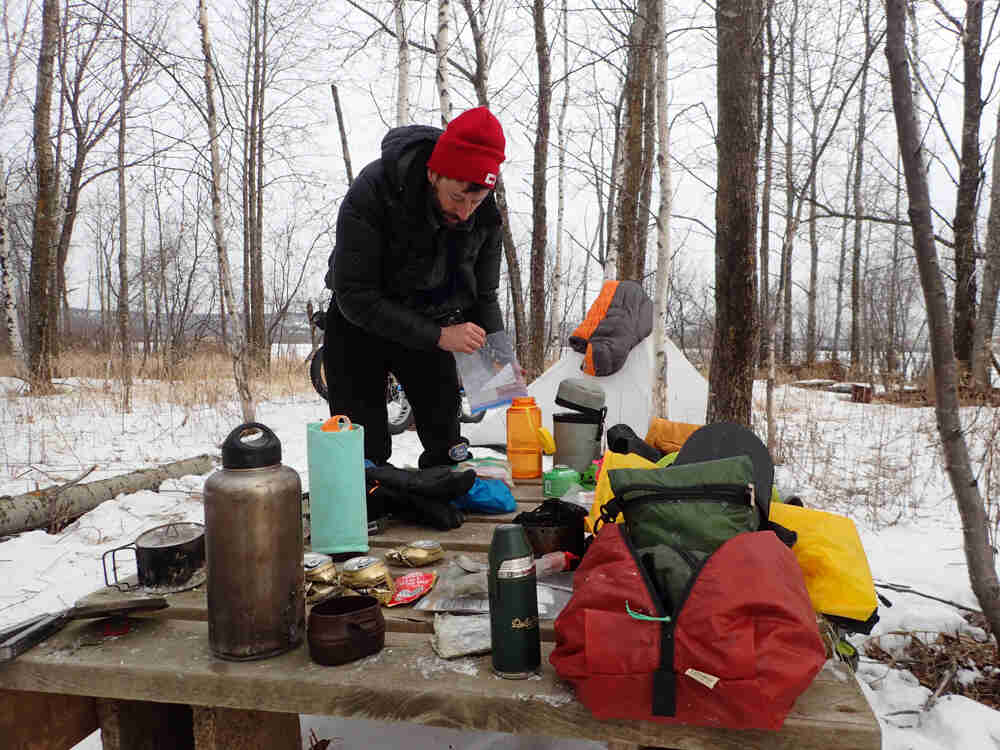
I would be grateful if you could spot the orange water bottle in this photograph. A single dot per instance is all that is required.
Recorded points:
(524, 451)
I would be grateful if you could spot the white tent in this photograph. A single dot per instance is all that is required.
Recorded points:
(627, 393)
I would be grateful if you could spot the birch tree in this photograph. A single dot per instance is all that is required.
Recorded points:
(236, 342)
(979, 555)
(7, 285)
(402, 65)
(13, 47)
(660, 301)
(612, 232)
(554, 344)
(649, 139)
(441, 43)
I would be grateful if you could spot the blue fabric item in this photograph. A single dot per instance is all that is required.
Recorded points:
(369, 464)
(487, 496)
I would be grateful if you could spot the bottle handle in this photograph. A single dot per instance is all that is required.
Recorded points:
(337, 423)
(250, 438)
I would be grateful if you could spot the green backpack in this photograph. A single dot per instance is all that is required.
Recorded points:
(677, 516)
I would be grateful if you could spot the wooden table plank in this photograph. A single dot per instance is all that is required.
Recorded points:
(527, 488)
(496, 518)
(169, 661)
(469, 537)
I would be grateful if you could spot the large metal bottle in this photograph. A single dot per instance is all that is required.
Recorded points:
(253, 549)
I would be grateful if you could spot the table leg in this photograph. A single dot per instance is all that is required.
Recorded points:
(142, 725)
(235, 729)
(45, 721)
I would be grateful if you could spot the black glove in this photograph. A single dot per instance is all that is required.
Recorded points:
(383, 500)
(436, 483)
(422, 497)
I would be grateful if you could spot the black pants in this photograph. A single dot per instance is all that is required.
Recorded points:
(357, 363)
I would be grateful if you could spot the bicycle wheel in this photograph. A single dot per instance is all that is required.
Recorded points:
(316, 374)
(465, 414)
(398, 409)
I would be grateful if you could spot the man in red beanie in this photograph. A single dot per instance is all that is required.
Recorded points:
(414, 274)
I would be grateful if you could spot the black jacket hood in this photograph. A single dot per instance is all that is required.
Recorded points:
(401, 145)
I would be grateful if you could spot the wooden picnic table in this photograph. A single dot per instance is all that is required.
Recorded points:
(159, 686)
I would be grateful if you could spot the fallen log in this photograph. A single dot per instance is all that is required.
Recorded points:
(62, 503)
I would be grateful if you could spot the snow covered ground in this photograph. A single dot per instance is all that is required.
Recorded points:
(877, 463)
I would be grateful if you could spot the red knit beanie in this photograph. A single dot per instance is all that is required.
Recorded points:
(470, 149)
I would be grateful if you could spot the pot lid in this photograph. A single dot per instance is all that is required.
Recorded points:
(169, 535)
(582, 395)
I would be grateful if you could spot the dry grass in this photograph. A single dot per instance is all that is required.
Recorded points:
(202, 380)
(947, 665)
(825, 370)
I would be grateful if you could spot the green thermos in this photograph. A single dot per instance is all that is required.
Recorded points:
(517, 651)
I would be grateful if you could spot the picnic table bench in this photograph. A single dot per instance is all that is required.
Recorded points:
(159, 686)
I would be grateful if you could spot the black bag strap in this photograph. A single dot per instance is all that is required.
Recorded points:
(609, 512)
(787, 536)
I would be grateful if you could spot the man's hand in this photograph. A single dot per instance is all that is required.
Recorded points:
(464, 337)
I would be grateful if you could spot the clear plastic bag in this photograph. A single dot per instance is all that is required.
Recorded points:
(579, 496)
(489, 468)
(491, 376)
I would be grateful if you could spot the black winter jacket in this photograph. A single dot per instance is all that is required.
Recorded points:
(396, 267)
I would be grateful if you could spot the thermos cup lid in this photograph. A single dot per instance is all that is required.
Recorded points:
(252, 445)
(582, 395)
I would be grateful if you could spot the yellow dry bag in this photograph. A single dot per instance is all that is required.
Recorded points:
(612, 460)
(833, 562)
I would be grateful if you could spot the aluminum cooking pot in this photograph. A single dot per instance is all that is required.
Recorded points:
(169, 558)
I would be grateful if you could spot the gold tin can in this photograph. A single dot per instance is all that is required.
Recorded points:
(319, 567)
(368, 575)
(321, 577)
(416, 554)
